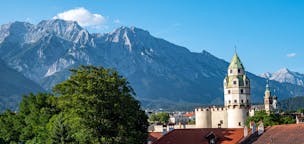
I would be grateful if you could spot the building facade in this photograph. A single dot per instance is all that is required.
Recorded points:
(236, 101)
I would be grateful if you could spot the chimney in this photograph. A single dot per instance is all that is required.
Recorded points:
(164, 129)
(245, 131)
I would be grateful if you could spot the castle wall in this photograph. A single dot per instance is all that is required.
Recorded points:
(236, 117)
(203, 118)
(219, 117)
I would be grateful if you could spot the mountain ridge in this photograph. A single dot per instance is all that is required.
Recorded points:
(157, 69)
(284, 75)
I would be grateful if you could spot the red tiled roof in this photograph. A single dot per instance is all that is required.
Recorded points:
(283, 134)
(188, 114)
(153, 136)
(197, 136)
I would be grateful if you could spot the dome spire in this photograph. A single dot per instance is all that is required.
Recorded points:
(267, 86)
(236, 62)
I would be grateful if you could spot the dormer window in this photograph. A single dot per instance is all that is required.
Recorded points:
(211, 138)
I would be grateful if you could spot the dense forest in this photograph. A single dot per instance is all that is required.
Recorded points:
(95, 105)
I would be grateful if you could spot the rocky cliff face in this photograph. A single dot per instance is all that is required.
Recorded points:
(158, 70)
(285, 75)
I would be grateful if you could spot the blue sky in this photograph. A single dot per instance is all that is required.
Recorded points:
(268, 34)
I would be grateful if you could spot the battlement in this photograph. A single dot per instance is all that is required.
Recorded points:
(202, 109)
(211, 108)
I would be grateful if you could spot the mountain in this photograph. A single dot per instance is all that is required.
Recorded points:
(12, 86)
(292, 104)
(162, 74)
(284, 75)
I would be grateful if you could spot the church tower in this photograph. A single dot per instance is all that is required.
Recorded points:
(270, 101)
(236, 94)
(267, 99)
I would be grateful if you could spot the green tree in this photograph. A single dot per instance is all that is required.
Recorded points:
(35, 111)
(162, 117)
(99, 106)
(271, 119)
(10, 125)
(59, 131)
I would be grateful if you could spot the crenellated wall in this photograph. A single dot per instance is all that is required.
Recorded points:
(203, 118)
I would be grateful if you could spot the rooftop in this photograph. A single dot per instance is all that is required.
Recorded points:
(236, 62)
(198, 136)
(283, 134)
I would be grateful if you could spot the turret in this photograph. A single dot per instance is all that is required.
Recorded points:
(236, 93)
(267, 98)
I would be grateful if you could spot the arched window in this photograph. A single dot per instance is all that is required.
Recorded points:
(231, 71)
(242, 101)
(239, 70)
(234, 82)
(229, 91)
(242, 91)
(235, 101)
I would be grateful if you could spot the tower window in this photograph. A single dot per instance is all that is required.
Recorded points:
(247, 101)
(239, 71)
(242, 101)
(229, 101)
(246, 82)
(242, 91)
(240, 123)
(235, 101)
(234, 82)
(230, 71)
(229, 91)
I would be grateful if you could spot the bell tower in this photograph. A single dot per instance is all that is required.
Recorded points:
(267, 99)
(236, 94)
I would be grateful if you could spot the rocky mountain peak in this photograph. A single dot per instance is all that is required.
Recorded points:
(68, 30)
(285, 75)
(16, 30)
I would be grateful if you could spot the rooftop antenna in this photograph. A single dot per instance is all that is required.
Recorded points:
(234, 48)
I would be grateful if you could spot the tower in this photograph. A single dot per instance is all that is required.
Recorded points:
(270, 101)
(236, 94)
(267, 99)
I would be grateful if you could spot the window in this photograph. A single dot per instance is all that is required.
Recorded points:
(239, 71)
(239, 123)
(221, 121)
(229, 101)
(242, 91)
(229, 91)
(246, 82)
(230, 71)
(235, 101)
(234, 82)
(247, 101)
(242, 101)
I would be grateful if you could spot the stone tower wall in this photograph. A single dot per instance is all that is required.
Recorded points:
(203, 118)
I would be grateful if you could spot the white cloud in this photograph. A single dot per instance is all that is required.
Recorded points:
(290, 55)
(82, 16)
